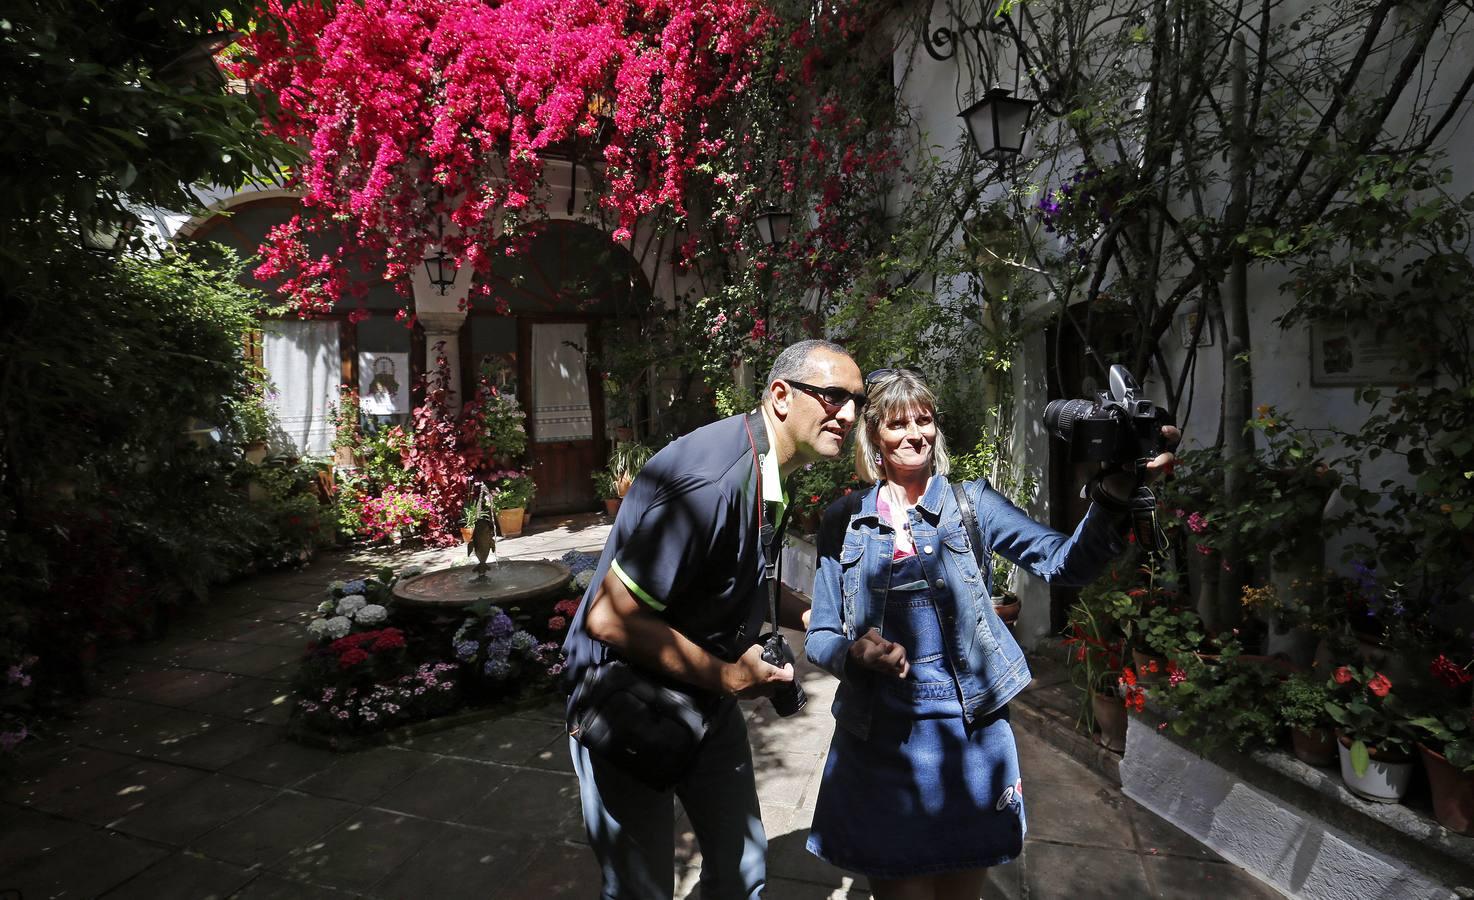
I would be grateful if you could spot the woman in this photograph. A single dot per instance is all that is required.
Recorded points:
(921, 791)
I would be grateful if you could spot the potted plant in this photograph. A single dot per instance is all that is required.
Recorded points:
(1094, 660)
(1446, 746)
(604, 486)
(1221, 699)
(513, 492)
(472, 513)
(1376, 762)
(625, 462)
(1302, 702)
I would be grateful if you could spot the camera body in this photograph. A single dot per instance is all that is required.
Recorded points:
(1117, 428)
(788, 698)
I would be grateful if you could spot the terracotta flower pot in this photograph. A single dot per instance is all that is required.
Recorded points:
(1008, 607)
(1453, 792)
(611, 506)
(510, 521)
(466, 535)
(1316, 747)
(1387, 776)
(1110, 719)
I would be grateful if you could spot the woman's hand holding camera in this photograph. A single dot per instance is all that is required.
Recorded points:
(1120, 484)
(880, 655)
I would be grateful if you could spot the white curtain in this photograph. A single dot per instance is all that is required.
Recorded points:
(304, 367)
(560, 385)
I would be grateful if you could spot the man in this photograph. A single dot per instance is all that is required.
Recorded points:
(680, 592)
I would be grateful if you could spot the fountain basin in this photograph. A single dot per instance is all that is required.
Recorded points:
(504, 584)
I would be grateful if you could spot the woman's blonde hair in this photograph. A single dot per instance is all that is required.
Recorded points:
(898, 391)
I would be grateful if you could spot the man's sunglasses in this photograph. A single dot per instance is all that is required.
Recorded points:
(831, 397)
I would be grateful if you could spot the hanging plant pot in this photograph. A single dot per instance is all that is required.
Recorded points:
(1316, 747)
(466, 534)
(1386, 778)
(1452, 789)
(1110, 719)
(510, 521)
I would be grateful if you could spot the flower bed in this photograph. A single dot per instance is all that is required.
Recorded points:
(374, 673)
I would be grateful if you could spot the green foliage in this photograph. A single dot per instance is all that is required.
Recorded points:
(1227, 701)
(102, 115)
(1302, 702)
(514, 491)
(1451, 735)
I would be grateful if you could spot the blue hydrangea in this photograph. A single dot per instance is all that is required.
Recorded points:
(497, 669)
(500, 626)
(577, 561)
(357, 586)
(465, 650)
(522, 642)
(498, 648)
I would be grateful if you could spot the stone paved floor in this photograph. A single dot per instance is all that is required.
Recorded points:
(176, 781)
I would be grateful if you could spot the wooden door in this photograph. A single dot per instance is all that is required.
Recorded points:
(565, 415)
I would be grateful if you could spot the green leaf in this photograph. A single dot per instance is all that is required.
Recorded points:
(1379, 191)
(1359, 757)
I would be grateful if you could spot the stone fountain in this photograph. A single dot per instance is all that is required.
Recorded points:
(501, 582)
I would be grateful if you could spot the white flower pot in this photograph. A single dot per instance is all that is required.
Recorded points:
(1384, 782)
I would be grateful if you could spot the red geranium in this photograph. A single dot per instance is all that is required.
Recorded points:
(1379, 685)
(1450, 673)
(1342, 675)
(351, 658)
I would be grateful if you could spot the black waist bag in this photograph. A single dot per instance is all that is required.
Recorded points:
(646, 728)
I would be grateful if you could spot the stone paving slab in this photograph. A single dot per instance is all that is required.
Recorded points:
(178, 781)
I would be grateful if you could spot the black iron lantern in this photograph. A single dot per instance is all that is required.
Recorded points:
(442, 270)
(773, 226)
(998, 123)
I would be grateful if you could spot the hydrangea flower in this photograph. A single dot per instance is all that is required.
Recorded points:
(335, 588)
(583, 579)
(497, 669)
(351, 603)
(500, 626)
(499, 648)
(326, 607)
(371, 614)
(358, 586)
(412, 571)
(522, 642)
(317, 629)
(338, 626)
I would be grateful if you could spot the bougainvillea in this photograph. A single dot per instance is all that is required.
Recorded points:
(431, 119)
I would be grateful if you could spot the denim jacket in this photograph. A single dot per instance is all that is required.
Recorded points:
(854, 574)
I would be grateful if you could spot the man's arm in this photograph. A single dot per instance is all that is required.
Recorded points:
(617, 618)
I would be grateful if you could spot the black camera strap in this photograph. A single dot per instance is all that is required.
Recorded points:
(770, 537)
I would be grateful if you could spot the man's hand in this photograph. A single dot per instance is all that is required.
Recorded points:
(750, 677)
(880, 655)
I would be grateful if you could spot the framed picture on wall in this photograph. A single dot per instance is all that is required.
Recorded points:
(1343, 354)
(383, 384)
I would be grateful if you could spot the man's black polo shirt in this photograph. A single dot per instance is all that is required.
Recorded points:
(686, 543)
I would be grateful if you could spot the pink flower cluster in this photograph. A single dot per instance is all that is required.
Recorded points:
(415, 113)
(395, 511)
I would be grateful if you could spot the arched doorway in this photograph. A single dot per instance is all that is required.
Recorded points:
(563, 288)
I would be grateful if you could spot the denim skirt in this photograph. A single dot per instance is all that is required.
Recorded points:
(925, 793)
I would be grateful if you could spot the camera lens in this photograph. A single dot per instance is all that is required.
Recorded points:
(1060, 416)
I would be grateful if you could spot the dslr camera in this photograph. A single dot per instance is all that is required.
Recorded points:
(1117, 428)
(788, 698)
